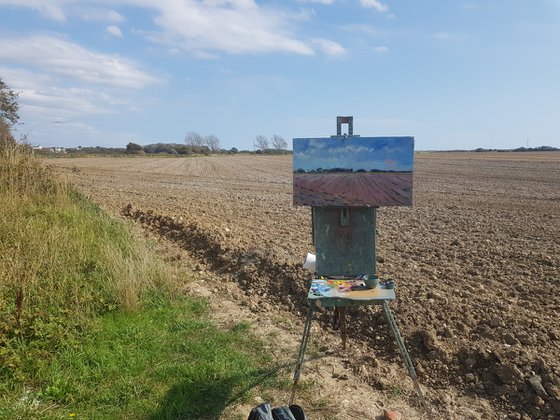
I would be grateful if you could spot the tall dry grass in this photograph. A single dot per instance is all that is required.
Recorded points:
(63, 260)
(21, 175)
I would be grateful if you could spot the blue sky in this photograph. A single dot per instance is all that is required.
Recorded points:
(453, 74)
(382, 153)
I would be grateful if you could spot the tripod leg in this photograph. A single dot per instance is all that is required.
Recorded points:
(342, 315)
(404, 352)
(302, 347)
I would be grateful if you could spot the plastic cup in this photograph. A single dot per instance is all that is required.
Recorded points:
(371, 282)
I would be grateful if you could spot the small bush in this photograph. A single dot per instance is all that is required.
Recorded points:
(134, 148)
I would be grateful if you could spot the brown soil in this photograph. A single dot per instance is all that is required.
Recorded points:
(476, 261)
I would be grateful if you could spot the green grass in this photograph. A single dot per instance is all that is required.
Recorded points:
(91, 321)
(164, 361)
(65, 263)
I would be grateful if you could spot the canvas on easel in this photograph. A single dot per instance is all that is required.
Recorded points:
(353, 171)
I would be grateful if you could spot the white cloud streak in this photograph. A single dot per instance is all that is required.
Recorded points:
(101, 15)
(329, 47)
(50, 9)
(65, 102)
(65, 58)
(42, 100)
(61, 10)
(375, 4)
(317, 1)
(114, 30)
(232, 26)
(449, 36)
(202, 27)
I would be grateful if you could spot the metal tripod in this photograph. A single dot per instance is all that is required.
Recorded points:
(394, 328)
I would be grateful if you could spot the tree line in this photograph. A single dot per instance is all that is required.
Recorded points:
(346, 170)
(167, 148)
(196, 144)
(277, 142)
(261, 142)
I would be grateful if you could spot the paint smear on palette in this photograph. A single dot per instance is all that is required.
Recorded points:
(353, 171)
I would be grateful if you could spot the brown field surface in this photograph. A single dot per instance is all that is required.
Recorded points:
(476, 261)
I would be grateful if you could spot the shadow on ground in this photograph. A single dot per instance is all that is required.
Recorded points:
(196, 400)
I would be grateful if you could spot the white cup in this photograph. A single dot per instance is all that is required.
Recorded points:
(309, 263)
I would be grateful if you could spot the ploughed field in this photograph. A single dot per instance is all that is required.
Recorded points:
(476, 259)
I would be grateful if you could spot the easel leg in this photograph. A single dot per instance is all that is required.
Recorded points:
(404, 352)
(342, 316)
(302, 347)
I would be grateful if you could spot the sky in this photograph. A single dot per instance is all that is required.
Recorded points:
(452, 74)
(381, 153)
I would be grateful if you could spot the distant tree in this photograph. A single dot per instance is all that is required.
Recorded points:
(212, 142)
(9, 106)
(6, 138)
(134, 148)
(182, 149)
(233, 150)
(202, 150)
(166, 148)
(279, 143)
(261, 142)
(192, 138)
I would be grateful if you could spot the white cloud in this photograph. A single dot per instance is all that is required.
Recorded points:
(65, 58)
(114, 30)
(329, 47)
(360, 28)
(381, 49)
(375, 4)
(50, 9)
(449, 36)
(65, 102)
(20, 78)
(42, 97)
(51, 113)
(233, 26)
(101, 15)
(317, 1)
(61, 10)
(202, 27)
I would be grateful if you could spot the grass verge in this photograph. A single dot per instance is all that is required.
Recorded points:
(91, 324)
(163, 361)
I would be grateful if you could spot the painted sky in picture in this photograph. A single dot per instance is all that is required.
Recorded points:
(368, 153)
